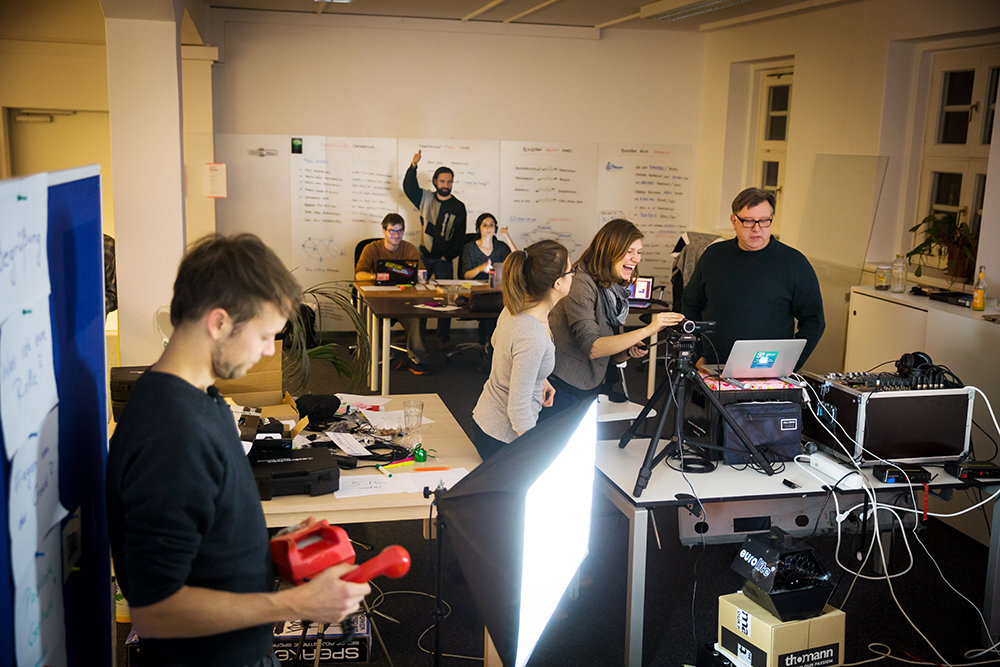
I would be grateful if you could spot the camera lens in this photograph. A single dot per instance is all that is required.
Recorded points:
(689, 326)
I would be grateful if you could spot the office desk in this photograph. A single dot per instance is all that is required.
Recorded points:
(453, 450)
(727, 495)
(380, 306)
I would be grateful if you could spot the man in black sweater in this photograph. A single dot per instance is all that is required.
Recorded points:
(187, 530)
(754, 286)
(442, 228)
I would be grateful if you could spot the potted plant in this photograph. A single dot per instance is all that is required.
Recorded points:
(301, 345)
(944, 236)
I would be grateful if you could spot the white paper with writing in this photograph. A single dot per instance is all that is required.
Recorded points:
(40, 637)
(33, 506)
(24, 260)
(27, 379)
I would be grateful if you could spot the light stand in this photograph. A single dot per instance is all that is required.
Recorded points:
(686, 376)
(439, 574)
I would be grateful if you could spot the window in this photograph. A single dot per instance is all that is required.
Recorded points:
(775, 95)
(960, 116)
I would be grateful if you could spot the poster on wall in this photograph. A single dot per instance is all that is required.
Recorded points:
(476, 165)
(547, 191)
(341, 188)
(649, 184)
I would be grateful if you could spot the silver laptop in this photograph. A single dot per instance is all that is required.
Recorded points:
(761, 359)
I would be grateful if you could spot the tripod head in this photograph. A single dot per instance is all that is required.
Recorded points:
(683, 340)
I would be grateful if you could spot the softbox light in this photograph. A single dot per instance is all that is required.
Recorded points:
(520, 526)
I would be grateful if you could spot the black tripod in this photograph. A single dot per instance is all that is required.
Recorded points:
(686, 377)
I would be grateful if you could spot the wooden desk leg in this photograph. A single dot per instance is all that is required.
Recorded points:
(373, 337)
(386, 330)
(651, 381)
(635, 597)
(490, 656)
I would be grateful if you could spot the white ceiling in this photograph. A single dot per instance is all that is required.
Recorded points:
(576, 13)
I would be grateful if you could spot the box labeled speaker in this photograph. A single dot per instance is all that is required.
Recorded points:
(749, 634)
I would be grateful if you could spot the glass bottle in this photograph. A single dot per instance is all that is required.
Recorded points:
(883, 275)
(899, 274)
(979, 291)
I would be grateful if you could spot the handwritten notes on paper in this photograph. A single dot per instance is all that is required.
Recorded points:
(400, 482)
(27, 379)
(39, 630)
(34, 506)
(547, 192)
(649, 184)
(341, 189)
(24, 263)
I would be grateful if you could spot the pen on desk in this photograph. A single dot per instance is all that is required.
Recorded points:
(383, 471)
(398, 461)
(398, 464)
(431, 469)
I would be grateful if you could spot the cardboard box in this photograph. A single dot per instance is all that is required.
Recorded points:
(755, 637)
(357, 649)
(286, 639)
(260, 386)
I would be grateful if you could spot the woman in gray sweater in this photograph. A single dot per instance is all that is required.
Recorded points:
(534, 280)
(588, 326)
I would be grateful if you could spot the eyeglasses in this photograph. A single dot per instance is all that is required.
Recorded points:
(395, 232)
(748, 224)
(571, 272)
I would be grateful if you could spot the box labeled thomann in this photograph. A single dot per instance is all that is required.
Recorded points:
(752, 635)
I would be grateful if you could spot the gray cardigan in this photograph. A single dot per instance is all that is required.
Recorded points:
(523, 356)
(576, 322)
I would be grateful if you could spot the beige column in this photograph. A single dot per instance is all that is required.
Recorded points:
(144, 101)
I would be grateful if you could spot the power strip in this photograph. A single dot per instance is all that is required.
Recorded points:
(836, 471)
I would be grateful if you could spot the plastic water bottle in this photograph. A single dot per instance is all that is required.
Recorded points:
(979, 291)
(899, 274)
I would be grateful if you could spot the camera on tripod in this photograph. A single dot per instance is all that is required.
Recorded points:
(684, 336)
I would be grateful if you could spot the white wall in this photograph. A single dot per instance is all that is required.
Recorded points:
(350, 76)
(842, 79)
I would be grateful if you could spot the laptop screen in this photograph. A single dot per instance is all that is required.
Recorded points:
(641, 289)
(396, 272)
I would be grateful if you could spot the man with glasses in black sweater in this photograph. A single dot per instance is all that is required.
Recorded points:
(754, 286)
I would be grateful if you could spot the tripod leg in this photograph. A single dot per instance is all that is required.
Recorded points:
(646, 471)
(653, 400)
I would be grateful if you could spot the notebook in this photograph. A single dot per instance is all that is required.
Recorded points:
(761, 359)
(396, 272)
(640, 292)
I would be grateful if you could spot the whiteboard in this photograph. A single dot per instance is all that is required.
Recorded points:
(547, 192)
(313, 198)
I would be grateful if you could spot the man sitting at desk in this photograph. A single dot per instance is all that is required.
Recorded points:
(187, 529)
(754, 286)
(394, 247)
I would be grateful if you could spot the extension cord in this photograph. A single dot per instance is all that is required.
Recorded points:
(836, 470)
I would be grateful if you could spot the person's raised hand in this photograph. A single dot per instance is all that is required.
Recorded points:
(416, 158)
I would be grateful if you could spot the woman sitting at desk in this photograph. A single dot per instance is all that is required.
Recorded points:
(478, 257)
(588, 325)
(534, 280)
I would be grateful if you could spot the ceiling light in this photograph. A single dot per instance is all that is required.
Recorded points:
(676, 10)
